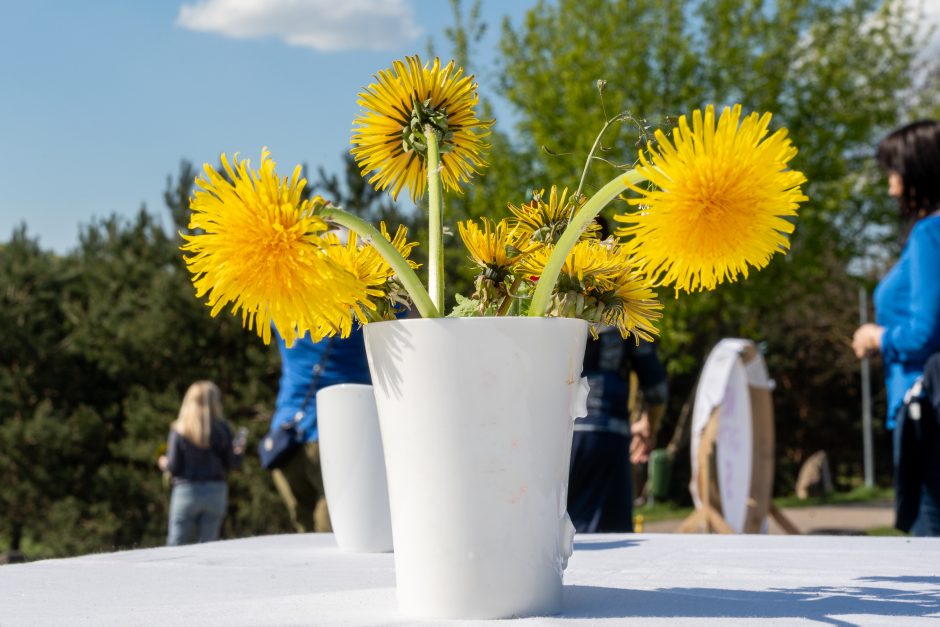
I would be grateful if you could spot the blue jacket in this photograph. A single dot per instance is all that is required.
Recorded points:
(342, 360)
(907, 305)
(608, 362)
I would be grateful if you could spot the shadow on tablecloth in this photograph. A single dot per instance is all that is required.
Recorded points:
(822, 603)
(604, 544)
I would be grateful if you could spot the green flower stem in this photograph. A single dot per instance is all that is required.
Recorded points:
(597, 143)
(546, 283)
(406, 275)
(510, 297)
(435, 220)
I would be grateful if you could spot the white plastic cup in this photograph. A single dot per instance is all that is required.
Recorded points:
(353, 468)
(476, 417)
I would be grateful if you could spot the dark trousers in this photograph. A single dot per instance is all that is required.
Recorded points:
(917, 460)
(300, 485)
(600, 485)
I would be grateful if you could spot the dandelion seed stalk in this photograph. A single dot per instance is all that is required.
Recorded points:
(597, 143)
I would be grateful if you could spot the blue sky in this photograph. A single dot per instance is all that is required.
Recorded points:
(101, 99)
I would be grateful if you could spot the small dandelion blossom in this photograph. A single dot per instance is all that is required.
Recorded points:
(600, 283)
(495, 248)
(545, 219)
(363, 261)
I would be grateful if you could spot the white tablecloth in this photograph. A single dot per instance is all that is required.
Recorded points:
(643, 579)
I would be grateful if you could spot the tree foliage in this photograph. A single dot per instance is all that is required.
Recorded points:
(97, 346)
(96, 350)
(836, 74)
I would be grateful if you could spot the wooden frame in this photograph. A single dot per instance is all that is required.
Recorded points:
(708, 517)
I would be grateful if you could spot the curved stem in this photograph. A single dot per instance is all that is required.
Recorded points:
(435, 220)
(597, 142)
(404, 272)
(510, 298)
(546, 283)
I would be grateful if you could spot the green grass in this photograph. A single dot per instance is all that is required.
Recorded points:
(884, 531)
(667, 510)
(662, 511)
(860, 494)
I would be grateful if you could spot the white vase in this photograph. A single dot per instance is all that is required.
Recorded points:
(476, 417)
(353, 467)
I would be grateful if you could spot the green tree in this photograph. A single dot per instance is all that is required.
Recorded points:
(32, 325)
(834, 73)
(97, 349)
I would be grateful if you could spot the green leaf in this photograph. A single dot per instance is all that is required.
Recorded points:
(465, 308)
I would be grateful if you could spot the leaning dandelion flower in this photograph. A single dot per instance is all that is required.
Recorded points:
(389, 134)
(600, 283)
(494, 248)
(258, 248)
(589, 263)
(723, 197)
(402, 245)
(364, 262)
(545, 221)
(631, 305)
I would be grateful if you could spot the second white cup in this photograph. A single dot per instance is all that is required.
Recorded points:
(353, 467)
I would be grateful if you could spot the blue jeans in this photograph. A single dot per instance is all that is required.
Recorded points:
(927, 522)
(600, 484)
(196, 507)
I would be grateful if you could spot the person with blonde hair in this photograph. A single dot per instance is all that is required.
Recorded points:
(200, 454)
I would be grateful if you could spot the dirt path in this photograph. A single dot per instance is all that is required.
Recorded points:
(822, 519)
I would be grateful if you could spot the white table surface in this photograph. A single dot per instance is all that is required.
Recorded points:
(642, 579)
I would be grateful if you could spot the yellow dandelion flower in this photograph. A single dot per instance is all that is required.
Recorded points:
(402, 245)
(590, 262)
(631, 305)
(723, 197)
(388, 135)
(544, 222)
(259, 248)
(494, 248)
(600, 283)
(369, 267)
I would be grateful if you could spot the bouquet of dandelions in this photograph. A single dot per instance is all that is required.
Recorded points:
(719, 199)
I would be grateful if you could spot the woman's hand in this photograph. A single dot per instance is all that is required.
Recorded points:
(162, 462)
(642, 441)
(867, 339)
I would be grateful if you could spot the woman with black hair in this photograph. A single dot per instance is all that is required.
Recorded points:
(907, 328)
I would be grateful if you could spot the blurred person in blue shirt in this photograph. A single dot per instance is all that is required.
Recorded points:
(306, 367)
(907, 325)
(628, 396)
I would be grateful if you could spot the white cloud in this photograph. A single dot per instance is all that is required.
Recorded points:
(927, 14)
(325, 25)
(932, 19)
